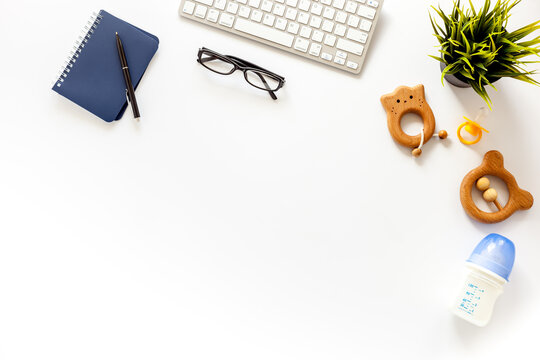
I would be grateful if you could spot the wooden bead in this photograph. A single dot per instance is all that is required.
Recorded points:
(417, 152)
(490, 195)
(443, 134)
(483, 184)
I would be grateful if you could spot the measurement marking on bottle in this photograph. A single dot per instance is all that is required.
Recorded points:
(472, 297)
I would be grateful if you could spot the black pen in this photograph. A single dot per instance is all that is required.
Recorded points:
(129, 85)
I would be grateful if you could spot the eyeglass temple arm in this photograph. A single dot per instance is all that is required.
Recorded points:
(272, 94)
(214, 57)
(245, 62)
(250, 64)
(209, 58)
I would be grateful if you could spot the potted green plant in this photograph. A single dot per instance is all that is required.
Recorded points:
(477, 48)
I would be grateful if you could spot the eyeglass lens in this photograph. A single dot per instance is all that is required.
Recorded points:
(217, 64)
(261, 80)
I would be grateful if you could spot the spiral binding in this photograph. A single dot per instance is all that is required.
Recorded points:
(81, 41)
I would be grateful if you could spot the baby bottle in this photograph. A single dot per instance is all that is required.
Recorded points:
(488, 269)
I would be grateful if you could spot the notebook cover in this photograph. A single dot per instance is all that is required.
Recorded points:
(95, 82)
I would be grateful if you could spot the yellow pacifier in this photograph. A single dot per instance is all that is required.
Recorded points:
(473, 128)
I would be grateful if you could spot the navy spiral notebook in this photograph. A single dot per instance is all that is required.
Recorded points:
(93, 76)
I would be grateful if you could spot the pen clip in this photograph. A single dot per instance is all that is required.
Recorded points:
(127, 97)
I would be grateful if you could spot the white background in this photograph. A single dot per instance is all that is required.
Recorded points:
(229, 226)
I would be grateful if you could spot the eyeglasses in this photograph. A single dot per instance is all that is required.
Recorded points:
(254, 75)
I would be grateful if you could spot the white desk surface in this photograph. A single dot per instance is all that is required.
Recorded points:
(229, 226)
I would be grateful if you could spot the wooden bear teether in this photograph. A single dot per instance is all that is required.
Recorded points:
(493, 164)
(410, 100)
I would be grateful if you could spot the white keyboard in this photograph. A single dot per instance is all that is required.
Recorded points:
(333, 32)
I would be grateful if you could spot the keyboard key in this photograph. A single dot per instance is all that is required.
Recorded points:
(365, 25)
(341, 17)
(188, 7)
(266, 5)
(303, 18)
(279, 9)
(361, 1)
(338, 4)
(242, 1)
(317, 36)
(200, 11)
(353, 21)
(327, 26)
(357, 35)
(339, 61)
(226, 20)
(340, 30)
(352, 65)
(269, 19)
(254, 3)
(220, 4)
(232, 8)
(373, 3)
(316, 9)
(329, 40)
(366, 12)
(326, 56)
(304, 5)
(301, 44)
(264, 32)
(281, 24)
(244, 11)
(293, 28)
(256, 15)
(341, 54)
(205, 2)
(212, 15)
(291, 14)
(351, 7)
(305, 32)
(291, 3)
(315, 22)
(315, 49)
(280, 1)
(350, 46)
(329, 13)
(326, 2)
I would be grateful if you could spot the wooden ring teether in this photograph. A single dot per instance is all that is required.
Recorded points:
(493, 164)
(410, 100)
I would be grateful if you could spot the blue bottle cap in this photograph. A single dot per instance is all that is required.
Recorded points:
(496, 254)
